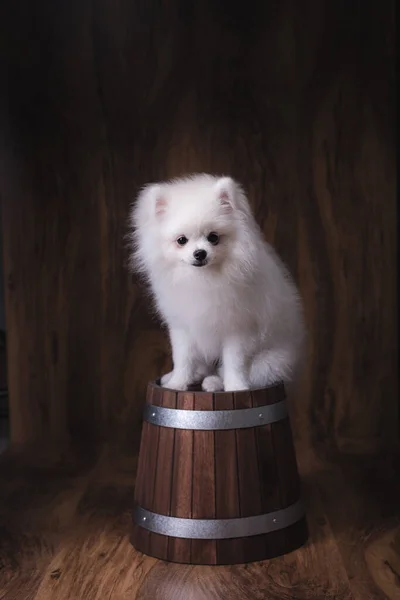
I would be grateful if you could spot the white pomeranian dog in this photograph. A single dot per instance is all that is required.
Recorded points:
(233, 312)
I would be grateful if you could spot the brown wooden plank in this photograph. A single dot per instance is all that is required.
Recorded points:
(289, 480)
(227, 482)
(179, 550)
(141, 536)
(249, 482)
(143, 450)
(152, 441)
(203, 507)
(155, 395)
(249, 479)
(286, 464)
(275, 542)
(139, 482)
(266, 456)
(163, 477)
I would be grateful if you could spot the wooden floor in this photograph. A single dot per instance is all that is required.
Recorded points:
(65, 522)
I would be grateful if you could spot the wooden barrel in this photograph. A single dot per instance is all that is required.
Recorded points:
(217, 479)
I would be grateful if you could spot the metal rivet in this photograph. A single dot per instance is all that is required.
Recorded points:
(274, 520)
(260, 416)
(144, 519)
(153, 414)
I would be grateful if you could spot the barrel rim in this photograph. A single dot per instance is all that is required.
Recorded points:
(154, 384)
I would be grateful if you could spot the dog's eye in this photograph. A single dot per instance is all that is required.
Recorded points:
(182, 240)
(213, 238)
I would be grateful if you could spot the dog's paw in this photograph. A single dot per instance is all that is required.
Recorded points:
(212, 383)
(165, 378)
(174, 383)
(235, 385)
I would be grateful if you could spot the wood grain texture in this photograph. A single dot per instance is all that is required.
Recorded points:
(64, 522)
(250, 483)
(221, 474)
(182, 477)
(297, 102)
(227, 503)
(163, 478)
(204, 482)
(36, 507)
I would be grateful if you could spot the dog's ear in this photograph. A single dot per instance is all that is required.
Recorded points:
(153, 199)
(226, 188)
(160, 205)
(158, 201)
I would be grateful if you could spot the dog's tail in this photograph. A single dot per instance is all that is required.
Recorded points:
(273, 366)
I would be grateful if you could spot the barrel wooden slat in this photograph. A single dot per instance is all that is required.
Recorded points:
(203, 505)
(227, 488)
(150, 465)
(249, 479)
(163, 478)
(179, 549)
(155, 396)
(139, 535)
(217, 474)
(267, 465)
(289, 480)
(148, 458)
(268, 470)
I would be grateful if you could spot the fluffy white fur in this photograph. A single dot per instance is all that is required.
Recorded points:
(236, 321)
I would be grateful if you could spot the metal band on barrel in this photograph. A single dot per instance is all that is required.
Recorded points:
(218, 529)
(210, 420)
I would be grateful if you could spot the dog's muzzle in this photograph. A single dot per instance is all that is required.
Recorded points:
(199, 263)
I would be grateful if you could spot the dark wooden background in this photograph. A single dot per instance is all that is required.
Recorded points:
(295, 99)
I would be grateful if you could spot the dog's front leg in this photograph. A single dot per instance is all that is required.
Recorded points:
(183, 358)
(235, 371)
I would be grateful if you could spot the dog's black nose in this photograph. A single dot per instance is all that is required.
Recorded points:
(200, 254)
